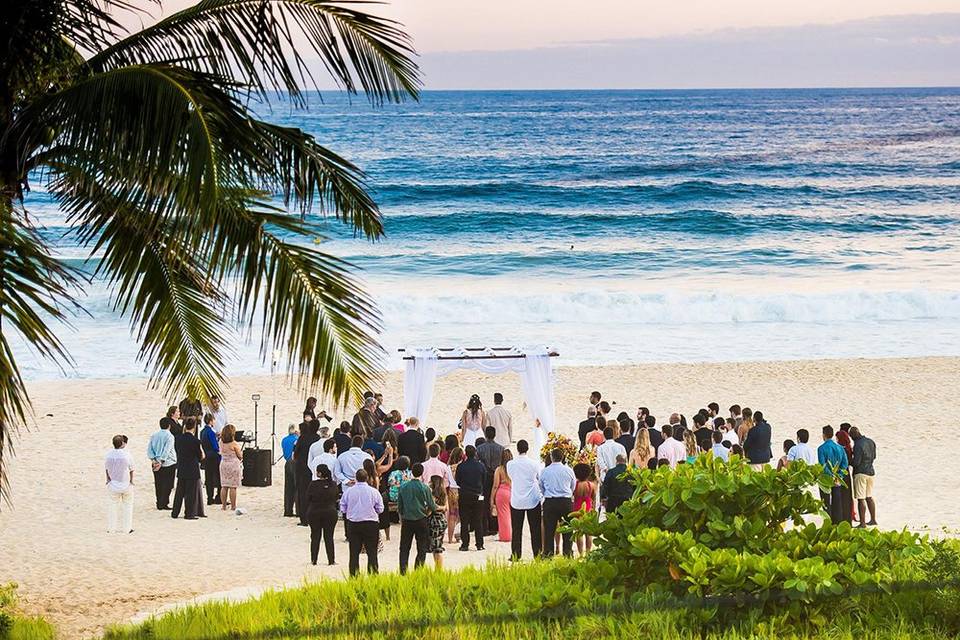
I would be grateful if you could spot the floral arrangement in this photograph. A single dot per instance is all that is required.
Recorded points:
(565, 444)
(586, 456)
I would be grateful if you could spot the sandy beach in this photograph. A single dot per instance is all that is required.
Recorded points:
(82, 579)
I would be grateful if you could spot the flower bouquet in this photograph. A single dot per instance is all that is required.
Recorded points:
(565, 444)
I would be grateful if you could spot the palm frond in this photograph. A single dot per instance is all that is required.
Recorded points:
(255, 42)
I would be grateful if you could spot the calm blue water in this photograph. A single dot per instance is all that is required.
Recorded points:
(642, 225)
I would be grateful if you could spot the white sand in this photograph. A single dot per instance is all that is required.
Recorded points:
(82, 579)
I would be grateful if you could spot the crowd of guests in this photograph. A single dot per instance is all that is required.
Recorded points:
(379, 470)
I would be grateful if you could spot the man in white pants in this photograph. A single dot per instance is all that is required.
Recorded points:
(119, 469)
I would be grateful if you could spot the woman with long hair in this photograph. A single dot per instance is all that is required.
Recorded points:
(471, 422)
(500, 497)
(846, 492)
(643, 451)
(783, 463)
(690, 443)
(438, 520)
(746, 424)
(453, 496)
(584, 492)
(451, 442)
(396, 420)
(231, 465)
(323, 503)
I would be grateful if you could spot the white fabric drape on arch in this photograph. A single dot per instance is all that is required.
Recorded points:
(536, 378)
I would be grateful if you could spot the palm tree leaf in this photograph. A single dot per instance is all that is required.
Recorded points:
(255, 41)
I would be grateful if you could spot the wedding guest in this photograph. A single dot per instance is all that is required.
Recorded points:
(365, 420)
(643, 452)
(434, 467)
(396, 421)
(374, 447)
(719, 449)
(219, 413)
(323, 451)
(834, 461)
(713, 411)
(864, 454)
(430, 435)
(343, 439)
(500, 496)
(846, 489)
(583, 493)
(350, 461)
(703, 434)
(690, 446)
(670, 449)
(587, 425)
(746, 423)
(172, 421)
(191, 408)
(556, 484)
(450, 443)
(471, 479)
(801, 450)
(756, 444)
(323, 497)
(525, 497)
(736, 450)
(411, 442)
(438, 521)
(189, 457)
(595, 398)
(311, 408)
(735, 415)
(453, 496)
(501, 420)
(287, 445)
(163, 461)
(596, 438)
(231, 466)
(730, 432)
(626, 437)
(784, 460)
(118, 466)
(489, 452)
(400, 474)
(379, 412)
(301, 461)
(211, 459)
(362, 505)
(472, 421)
(415, 505)
(616, 488)
(656, 437)
(608, 452)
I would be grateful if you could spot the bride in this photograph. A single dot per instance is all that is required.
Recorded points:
(472, 421)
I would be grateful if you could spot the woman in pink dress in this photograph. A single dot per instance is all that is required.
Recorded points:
(583, 493)
(500, 504)
(230, 466)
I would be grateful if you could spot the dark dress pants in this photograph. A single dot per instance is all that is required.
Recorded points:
(322, 524)
(163, 481)
(555, 511)
(185, 497)
(471, 518)
(289, 487)
(533, 523)
(303, 483)
(211, 480)
(411, 530)
(363, 535)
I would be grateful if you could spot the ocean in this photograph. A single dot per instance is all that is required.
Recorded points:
(634, 226)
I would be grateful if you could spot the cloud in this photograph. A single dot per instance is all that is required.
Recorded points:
(916, 50)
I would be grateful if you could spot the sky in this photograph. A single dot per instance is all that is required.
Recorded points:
(678, 43)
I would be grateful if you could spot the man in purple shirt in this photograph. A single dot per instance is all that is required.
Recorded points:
(362, 506)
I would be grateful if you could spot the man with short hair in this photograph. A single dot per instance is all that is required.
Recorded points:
(412, 443)
(595, 399)
(490, 452)
(163, 461)
(677, 422)
(435, 467)
(350, 461)
(211, 459)
(365, 420)
(191, 407)
(362, 505)
(587, 425)
(615, 490)
(501, 420)
(290, 472)
(603, 409)
(756, 446)
(189, 457)
(864, 454)
(118, 467)
(718, 448)
(608, 452)
(801, 450)
(525, 496)
(735, 413)
(557, 483)
(656, 438)
(471, 478)
(322, 451)
(833, 458)
(703, 433)
(415, 505)
(730, 435)
(713, 410)
(219, 413)
(379, 413)
(342, 438)
(671, 449)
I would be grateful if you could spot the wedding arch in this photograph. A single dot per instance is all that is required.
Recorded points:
(424, 366)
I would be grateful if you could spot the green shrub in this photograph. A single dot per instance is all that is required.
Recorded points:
(14, 626)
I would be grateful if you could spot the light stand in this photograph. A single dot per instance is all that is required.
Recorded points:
(273, 417)
(256, 406)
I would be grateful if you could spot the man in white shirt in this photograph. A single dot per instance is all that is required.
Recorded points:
(322, 452)
(608, 451)
(525, 499)
(501, 420)
(672, 450)
(119, 471)
(730, 432)
(802, 450)
(350, 461)
(219, 413)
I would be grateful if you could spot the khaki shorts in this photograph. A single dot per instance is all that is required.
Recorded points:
(862, 486)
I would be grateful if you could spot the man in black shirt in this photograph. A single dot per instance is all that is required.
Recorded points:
(587, 425)
(301, 456)
(615, 491)
(490, 453)
(656, 438)
(471, 478)
(342, 437)
(190, 408)
(627, 439)
(365, 420)
(411, 442)
(702, 433)
(189, 456)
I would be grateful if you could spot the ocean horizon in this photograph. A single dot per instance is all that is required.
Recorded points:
(631, 226)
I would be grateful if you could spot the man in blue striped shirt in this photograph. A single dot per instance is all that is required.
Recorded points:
(163, 460)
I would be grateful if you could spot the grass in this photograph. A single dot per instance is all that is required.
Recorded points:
(16, 626)
(531, 600)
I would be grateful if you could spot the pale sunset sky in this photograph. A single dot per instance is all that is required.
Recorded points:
(678, 43)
